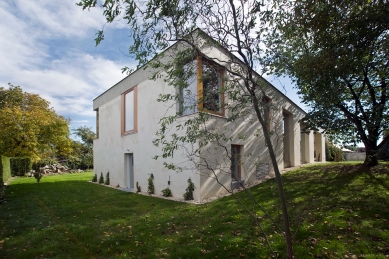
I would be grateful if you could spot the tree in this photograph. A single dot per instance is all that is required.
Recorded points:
(29, 127)
(82, 155)
(337, 52)
(235, 26)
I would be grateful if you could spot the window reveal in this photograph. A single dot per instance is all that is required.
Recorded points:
(129, 111)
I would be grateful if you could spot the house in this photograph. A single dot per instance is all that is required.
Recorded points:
(128, 116)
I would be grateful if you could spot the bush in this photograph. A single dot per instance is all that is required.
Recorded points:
(150, 188)
(333, 153)
(20, 165)
(107, 182)
(38, 176)
(101, 179)
(94, 179)
(188, 195)
(137, 187)
(5, 169)
(167, 192)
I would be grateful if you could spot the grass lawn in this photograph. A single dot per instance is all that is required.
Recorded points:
(338, 210)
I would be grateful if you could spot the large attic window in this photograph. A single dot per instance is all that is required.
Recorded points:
(204, 91)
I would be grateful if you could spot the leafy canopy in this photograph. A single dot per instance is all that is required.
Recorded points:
(29, 127)
(338, 54)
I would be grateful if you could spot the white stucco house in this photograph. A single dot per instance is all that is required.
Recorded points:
(128, 118)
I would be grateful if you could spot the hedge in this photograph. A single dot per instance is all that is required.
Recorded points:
(20, 165)
(5, 169)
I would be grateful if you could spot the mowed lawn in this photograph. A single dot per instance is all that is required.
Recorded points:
(338, 210)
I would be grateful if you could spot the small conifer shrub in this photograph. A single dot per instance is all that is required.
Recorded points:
(94, 179)
(107, 182)
(188, 195)
(167, 192)
(101, 179)
(150, 188)
(38, 176)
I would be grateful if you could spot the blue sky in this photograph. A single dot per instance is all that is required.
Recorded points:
(47, 47)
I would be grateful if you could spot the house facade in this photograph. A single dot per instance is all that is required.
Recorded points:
(128, 117)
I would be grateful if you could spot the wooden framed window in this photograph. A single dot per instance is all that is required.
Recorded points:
(236, 172)
(210, 87)
(97, 124)
(129, 111)
(204, 91)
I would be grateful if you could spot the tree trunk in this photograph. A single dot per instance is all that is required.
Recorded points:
(371, 154)
(285, 216)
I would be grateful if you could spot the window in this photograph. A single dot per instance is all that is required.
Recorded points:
(211, 86)
(97, 123)
(129, 111)
(188, 95)
(204, 90)
(236, 162)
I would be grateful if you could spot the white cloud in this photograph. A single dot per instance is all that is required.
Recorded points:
(69, 80)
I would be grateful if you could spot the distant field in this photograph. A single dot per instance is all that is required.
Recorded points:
(338, 210)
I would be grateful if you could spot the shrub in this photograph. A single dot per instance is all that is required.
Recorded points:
(167, 192)
(5, 169)
(188, 195)
(101, 179)
(38, 176)
(150, 188)
(137, 187)
(94, 179)
(333, 153)
(20, 165)
(107, 182)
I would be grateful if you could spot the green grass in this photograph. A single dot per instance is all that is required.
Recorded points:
(337, 210)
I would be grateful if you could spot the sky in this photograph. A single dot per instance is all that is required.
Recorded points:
(47, 47)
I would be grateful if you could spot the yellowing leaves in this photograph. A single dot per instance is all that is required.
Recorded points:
(29, 127)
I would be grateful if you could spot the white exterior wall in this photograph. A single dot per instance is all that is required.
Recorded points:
(111, 147)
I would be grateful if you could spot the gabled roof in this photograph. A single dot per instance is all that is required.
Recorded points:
(143, 73)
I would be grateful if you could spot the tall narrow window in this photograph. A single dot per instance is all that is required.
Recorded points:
(236, 162)
(97, 123)
(188, 95)
(211, 87)
(129, 111)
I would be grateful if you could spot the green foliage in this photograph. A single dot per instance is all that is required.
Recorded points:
(107, 181)
(82, 155)
(94, 179)
(150, 187)
(138, 189)
(5, 169)
(20, 165)
(101, 179)
(30, 127)
(333, 153)
(188, 195)
(167, 192)
(338, 54)
(38, 176)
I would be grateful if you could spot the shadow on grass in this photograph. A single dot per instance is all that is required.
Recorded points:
(336, 210)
